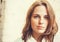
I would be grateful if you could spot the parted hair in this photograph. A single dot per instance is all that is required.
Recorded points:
(52, 27)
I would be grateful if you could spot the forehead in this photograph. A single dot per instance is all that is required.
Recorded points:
(40, 10)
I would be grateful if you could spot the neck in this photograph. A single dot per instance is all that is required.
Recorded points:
(36, 35)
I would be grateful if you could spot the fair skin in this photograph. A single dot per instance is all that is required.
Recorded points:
(39, 21)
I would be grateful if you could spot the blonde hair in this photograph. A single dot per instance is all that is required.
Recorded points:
(52, 27)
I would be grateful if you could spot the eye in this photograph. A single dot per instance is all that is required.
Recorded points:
(46, 17)
(36, 16)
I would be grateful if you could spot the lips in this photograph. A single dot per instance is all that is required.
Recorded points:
(40, 27)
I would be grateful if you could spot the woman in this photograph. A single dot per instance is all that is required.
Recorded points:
(40, 23)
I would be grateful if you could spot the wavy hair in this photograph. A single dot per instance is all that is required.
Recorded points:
(52, 27)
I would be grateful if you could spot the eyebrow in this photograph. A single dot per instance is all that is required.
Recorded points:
(35, 14)
(38, 14)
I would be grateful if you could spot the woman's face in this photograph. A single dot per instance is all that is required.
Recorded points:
(39, 19)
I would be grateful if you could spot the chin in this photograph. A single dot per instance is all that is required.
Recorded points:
(41, 32)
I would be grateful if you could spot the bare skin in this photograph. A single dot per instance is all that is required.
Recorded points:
(39, 21)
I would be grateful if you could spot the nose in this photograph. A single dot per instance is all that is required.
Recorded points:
(41, 20)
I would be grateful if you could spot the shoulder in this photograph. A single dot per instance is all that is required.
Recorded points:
(19, 40)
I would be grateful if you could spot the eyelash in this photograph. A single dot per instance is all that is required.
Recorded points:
(46, 17)
(36, 17)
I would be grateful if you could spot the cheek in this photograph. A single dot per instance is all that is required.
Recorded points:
(46, 23)
(34, 22)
